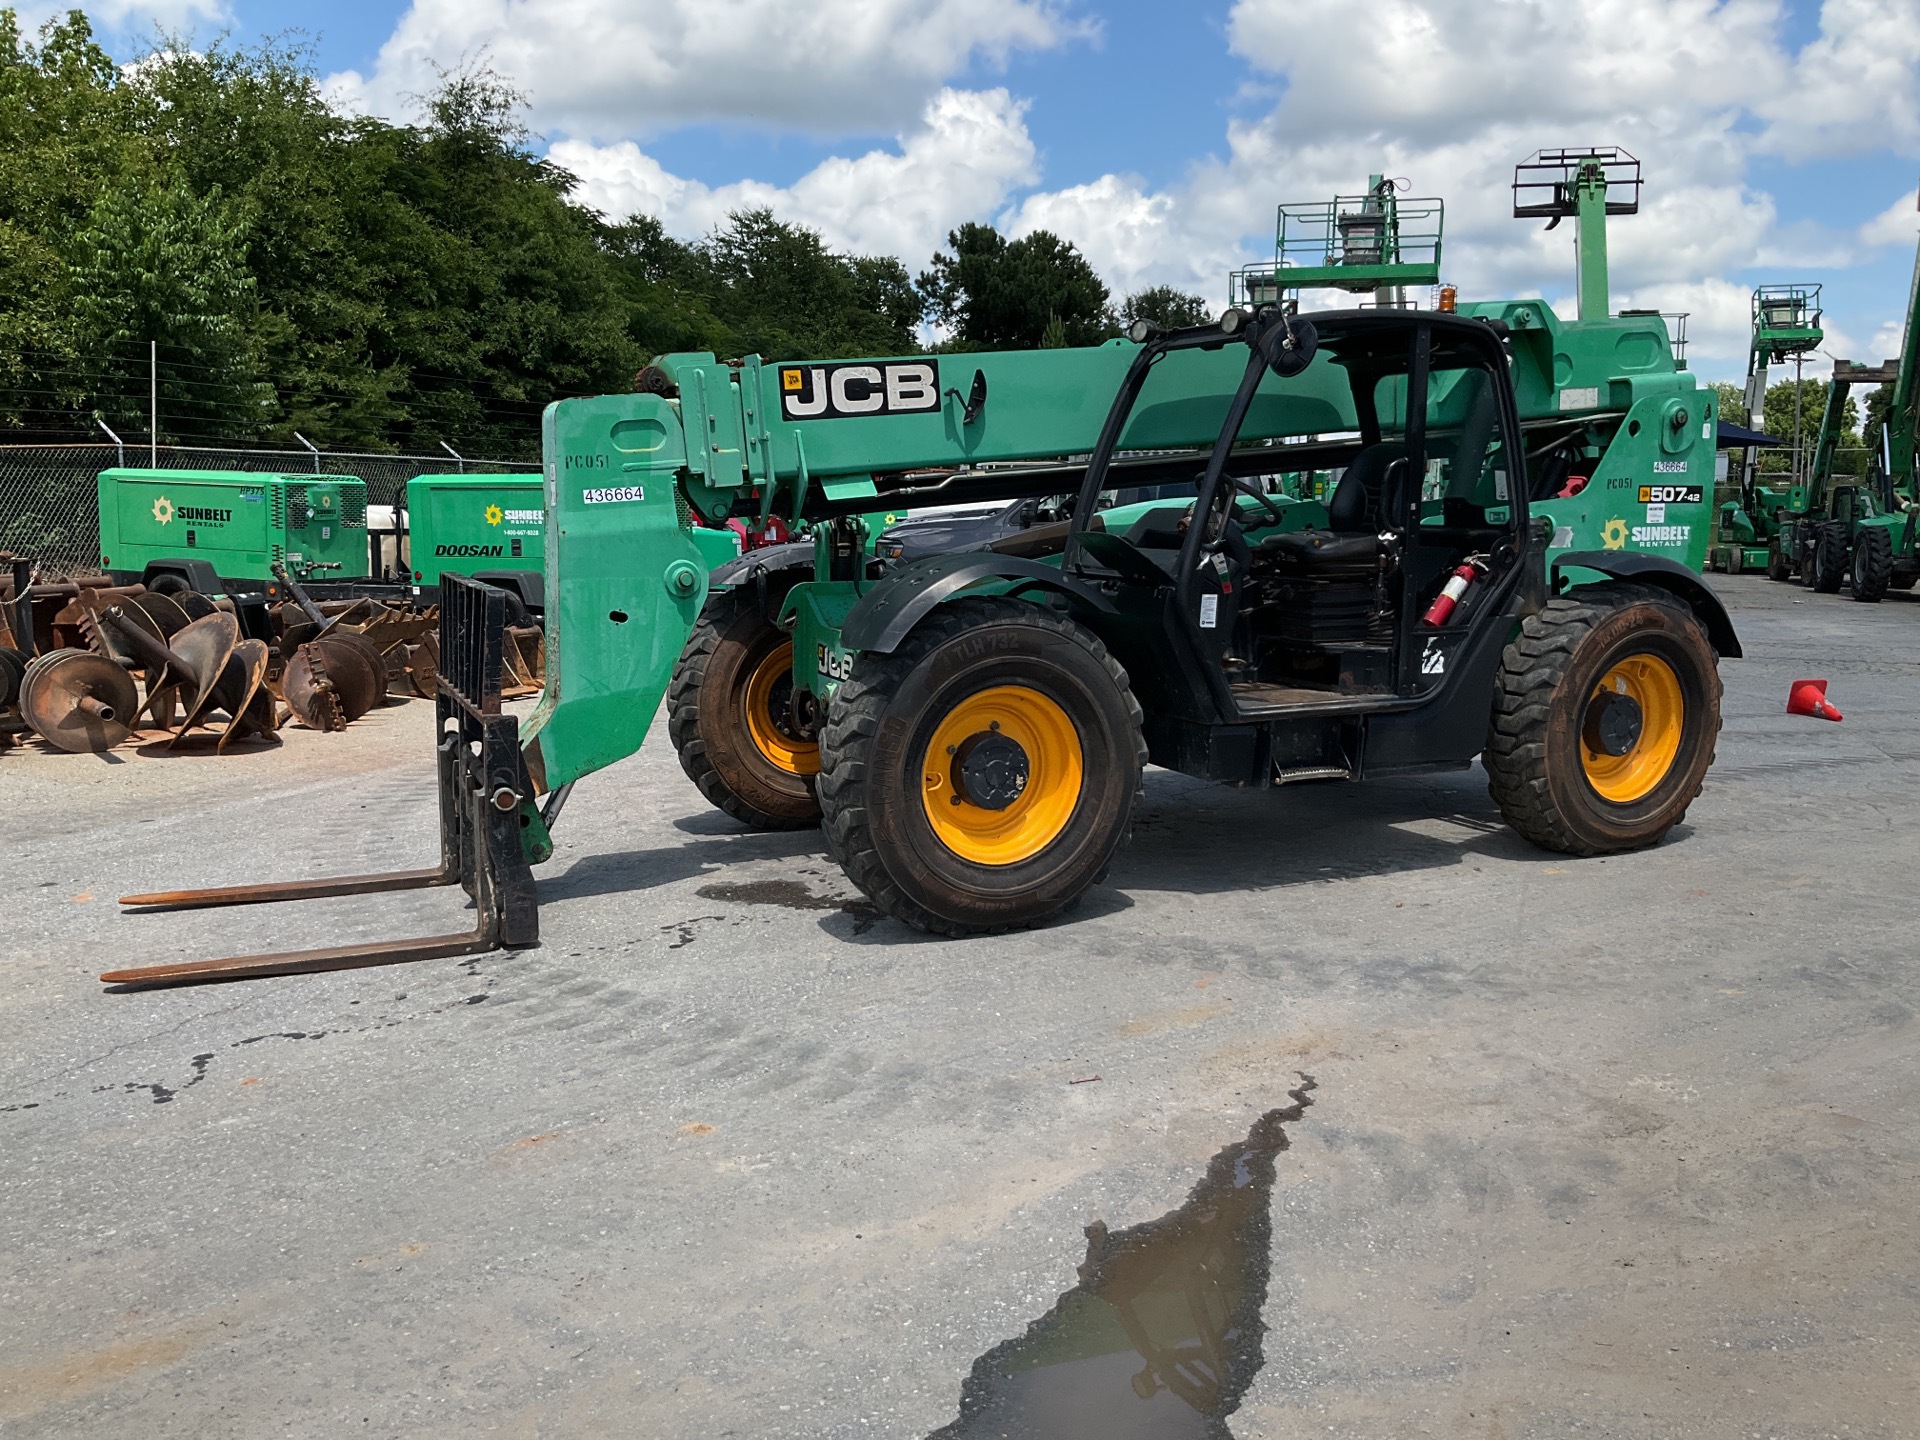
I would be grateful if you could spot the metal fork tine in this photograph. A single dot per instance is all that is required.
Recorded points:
(290, 890)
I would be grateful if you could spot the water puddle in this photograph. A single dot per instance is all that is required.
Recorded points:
(789, 895)
(1163, 1334)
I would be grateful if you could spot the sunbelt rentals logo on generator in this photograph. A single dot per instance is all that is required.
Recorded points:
(165, 512)
(496, 515)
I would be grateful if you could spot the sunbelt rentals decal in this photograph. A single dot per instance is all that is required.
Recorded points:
(165, 512)
(1617, 534)
(497, 516)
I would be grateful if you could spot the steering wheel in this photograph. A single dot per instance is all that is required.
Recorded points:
(1241, 483)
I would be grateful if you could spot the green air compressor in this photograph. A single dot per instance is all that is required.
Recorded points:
(493, 528)
(232, 526)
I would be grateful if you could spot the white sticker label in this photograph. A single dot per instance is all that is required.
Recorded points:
(1670, 467)
(1433, 661)
(1657, 513)
(1209, 612)
(1562, 539)
(1585, 397)
(614, 495)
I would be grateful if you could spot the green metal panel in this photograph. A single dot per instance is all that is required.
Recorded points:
(716, 547)
(817, 609)
(464, 523)
(624, 581)
(239, 523)
(1652, 488)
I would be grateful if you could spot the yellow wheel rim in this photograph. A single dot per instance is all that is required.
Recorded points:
(1054, 766)
(1650, 683)
(766, 715)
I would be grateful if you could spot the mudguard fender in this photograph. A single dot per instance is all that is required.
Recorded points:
(1664, 574)
(886, 614)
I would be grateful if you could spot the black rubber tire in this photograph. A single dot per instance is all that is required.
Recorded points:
(1779, 559)
(885, 714)
(1872, 563)
(706, 715)
(1829, 567)
(1547, 676)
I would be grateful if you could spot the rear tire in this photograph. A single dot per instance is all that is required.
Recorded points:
(726, 716)
(1779, 560)
(1543, 768)
(1829, 566)
(1872, 563)
(901, 817)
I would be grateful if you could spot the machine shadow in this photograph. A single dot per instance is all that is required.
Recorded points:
(729, 844)
(1195, 838)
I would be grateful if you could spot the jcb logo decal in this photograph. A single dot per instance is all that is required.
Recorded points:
(834, 664)
(831, 392)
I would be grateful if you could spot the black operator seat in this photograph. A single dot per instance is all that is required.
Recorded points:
(1370, 498)
(1372, 491)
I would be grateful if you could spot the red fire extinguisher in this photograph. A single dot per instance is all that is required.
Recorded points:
(1461, 581)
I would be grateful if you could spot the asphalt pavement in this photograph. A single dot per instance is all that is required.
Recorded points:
(1619, 1147)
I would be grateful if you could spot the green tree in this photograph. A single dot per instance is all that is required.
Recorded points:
(157, 264)
(368, 285)
(782, 293)
(1804, 402)
(1166, 306)
(991, 292)
(1732, 402)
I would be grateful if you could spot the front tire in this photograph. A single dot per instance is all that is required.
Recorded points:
(1779, 561)
(1605, 720)
(728, 716)
(1829, 566)
(981, 777)
(1872, 563)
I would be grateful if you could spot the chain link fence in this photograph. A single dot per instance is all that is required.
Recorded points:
(49, 498)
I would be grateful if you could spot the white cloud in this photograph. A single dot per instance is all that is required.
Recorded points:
(615, 69)
(969, 152)
(1854, 83)
(127, 16)
(1895, 225)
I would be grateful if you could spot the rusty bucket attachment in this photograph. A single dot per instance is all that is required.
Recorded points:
(78, 701)
(483, 784)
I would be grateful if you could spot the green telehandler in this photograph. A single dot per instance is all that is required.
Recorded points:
(1860, 531)
(1501, 571)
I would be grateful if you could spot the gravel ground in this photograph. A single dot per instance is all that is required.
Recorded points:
(1616, 1147)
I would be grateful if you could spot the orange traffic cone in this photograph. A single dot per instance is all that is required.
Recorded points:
(1809, 697)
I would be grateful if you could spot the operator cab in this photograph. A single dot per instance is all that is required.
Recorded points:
(1299, 603)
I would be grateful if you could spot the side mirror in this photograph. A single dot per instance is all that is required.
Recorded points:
(1289, 345)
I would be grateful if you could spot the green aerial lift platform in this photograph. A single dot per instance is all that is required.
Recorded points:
(1786, 327)
(1506, 569)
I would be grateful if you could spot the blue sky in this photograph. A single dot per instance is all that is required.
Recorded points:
(1779, 136)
